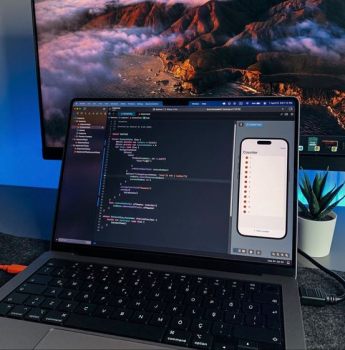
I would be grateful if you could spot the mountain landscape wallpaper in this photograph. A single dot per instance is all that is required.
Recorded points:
(180, 48)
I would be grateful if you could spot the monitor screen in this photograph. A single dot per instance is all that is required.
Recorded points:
(209, 178)
(183, 48)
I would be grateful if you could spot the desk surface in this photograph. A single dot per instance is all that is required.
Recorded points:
(29, 212)
(324, 327)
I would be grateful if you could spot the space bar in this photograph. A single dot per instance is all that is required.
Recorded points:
(113, 327)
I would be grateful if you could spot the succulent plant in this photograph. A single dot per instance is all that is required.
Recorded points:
(319, 204)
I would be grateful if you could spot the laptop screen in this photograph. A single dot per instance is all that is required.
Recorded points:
(210, 178)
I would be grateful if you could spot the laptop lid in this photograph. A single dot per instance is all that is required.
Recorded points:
(210, 183)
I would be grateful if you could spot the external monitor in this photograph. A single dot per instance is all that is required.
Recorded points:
(180, 48)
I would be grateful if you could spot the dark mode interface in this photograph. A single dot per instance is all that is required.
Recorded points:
(181, 179)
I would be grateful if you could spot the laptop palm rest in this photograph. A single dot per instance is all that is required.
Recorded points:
(59, 339)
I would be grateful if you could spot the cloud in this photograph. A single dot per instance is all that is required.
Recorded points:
(50, 13)
(78, 64)
(321, 41)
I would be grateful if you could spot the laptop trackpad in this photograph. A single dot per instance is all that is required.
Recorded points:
(58, 339)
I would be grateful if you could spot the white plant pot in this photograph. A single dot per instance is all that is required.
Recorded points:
(315, 237)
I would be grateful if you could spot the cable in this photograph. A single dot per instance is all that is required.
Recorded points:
(13, 269)
(317, 296)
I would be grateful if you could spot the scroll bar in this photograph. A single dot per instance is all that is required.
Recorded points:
(233, 170)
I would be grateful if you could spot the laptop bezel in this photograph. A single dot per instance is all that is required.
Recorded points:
(180, 259)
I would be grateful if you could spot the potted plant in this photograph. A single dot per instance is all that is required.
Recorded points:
(316, 221)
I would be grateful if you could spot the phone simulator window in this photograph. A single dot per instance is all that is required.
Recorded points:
(263, 188)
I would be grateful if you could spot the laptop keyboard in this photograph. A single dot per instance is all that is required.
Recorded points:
(183, 310)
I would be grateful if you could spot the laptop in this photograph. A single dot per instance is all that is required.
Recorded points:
(175, 227)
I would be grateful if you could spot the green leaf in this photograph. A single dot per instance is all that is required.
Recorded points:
(327, 199)
(307, 182)
(330, 208)
(323, 182)
(305, 194)
(304, 210)
(314, 206)
(316, 186)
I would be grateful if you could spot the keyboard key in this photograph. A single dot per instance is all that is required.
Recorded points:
(53, 292)
(242, 295)
(187, 288)
(202, 326)
(58, 263)
(35, 315)
(199, 280)
(194, 311)
(212, 303)
(137, 304)
(106, 288)
(268, 298)
(34, 289)
(123, 291)
(60, 272)
(201, 341)
(155, 306)
(193, 300)
(223, 346)
(85, 297)
(55, 317)
(238, 285)
(231, 305)
(18, 311)
(68, 306)
(223, 293)
(120, 302)
(69, 294)
(157, 295)
(221, 329)
(255, 320)
(136, 282)
(104, 311)
(270, 309)
(252, 308)
(34, 301)
(252, 287)
(5, 308)
(204, 291)
(174, 309)
(40, 279)
(102, 299)
(114, 327)
(16, 298)
(214, 314)
(270, 288)
(85, 308)
(160, 320)
(50, 304)
(257, 334)
(122, 314)
(140, 317)
(45, 270)
(74, 284)
(58, 282)
(180, 323)
(247, 345)
(139, 293)
(273, 322)
(234, 317)
(180, 338)
(216, 282)
(174, 297)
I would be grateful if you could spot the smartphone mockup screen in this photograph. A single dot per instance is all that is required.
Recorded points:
(263, 183)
